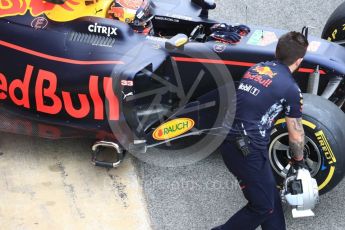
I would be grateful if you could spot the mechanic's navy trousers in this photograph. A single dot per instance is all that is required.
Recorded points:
(258, 185)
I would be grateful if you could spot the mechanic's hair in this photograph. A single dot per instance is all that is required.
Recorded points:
(291, 46)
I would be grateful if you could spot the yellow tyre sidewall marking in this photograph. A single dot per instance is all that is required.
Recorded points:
(333, 35)
(328, 178)
(312, 126)
(304, 122)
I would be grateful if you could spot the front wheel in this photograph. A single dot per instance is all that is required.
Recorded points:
(334, 29)
(323, 124)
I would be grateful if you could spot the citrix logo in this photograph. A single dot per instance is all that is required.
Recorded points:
(95, 28)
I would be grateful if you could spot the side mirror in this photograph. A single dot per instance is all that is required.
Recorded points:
(177, 41)
(206, 4)
(210, 4)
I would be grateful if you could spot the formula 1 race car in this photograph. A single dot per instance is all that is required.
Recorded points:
(69, 70)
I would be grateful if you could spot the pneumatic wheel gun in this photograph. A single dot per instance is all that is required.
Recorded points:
(301, 192)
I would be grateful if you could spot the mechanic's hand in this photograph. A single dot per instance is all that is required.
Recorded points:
(295, 166)
(225, 36)
(220, 27)
(298, 164)
(242, 30)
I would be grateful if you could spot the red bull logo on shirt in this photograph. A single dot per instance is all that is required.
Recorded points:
(265, 70)
(258, 78)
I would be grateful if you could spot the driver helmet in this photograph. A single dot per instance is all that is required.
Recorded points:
(136, 13)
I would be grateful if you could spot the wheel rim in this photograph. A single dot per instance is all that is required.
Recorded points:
(279, 154)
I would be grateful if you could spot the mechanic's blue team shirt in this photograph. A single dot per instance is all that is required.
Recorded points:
(266, 90)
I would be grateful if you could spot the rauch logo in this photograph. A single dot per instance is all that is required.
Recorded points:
(173, 129)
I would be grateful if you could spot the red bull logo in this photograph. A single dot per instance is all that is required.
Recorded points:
(265, 70)
(50, 99)
(35, 7)
(259, 79)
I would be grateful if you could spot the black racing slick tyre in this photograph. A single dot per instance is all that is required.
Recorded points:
(334, 29)
(324, 151)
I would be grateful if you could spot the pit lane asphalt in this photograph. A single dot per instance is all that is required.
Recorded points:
(205, 194)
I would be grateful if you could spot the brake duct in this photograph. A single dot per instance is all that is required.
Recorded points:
(314, 82)
(331, 87)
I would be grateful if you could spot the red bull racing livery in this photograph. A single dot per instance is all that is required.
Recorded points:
(69, 69)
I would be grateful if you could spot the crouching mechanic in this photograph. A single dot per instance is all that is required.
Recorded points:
(266, 90)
